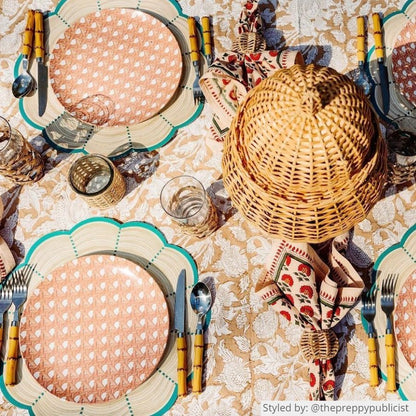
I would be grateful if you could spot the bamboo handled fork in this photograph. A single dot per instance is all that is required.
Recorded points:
(19, 281)
(388, 287)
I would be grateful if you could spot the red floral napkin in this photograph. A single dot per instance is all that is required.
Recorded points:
(314, 289)
(234, 73)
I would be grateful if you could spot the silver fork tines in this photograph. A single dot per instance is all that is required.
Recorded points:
(369, 309)
(388, 287)
(5, 301)
(19, 283)
(196, 88)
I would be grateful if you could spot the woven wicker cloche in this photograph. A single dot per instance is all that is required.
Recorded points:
(304, 159)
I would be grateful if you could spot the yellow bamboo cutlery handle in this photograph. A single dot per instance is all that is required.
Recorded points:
(198, 361)
(182, 369)
(360, 39)
(39, 35)
(372, 355)
(193, 39)
(206, 34)
(390, 362)
(28, 33)
(12, 356)
(378, 36)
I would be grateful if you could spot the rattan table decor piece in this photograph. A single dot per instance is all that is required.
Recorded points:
(97, 180)
(67, 133)
(304, 159)
(144, 245)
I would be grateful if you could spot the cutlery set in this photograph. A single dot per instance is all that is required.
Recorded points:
(200, 300)
(24, 84)
(14, 292)
(195, 55)
(362, 79)
(387, 295)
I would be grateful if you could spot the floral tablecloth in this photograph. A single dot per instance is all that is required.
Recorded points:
(253, 354)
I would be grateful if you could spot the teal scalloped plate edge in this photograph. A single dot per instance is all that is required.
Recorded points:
(389, 250)
(129, 224)
(161, 143)
(371, 51)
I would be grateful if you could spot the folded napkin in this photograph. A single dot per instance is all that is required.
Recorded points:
(314, 287)
(234, 73)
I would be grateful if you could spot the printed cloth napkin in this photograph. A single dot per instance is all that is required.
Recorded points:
(234, 73)
(314, 287)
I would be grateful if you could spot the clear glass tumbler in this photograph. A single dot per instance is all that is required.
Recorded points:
(186, 201)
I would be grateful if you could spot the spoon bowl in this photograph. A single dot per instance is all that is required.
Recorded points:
(201, 301)
(24, 83)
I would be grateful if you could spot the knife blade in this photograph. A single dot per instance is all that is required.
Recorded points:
(180, 316)
(382, 70)
(206, 35)
(40, 59)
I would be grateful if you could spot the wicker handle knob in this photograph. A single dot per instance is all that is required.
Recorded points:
(311, 101)
(319, 345)
(39, 34)
(378, 36)
(28, 34)
(360, 39)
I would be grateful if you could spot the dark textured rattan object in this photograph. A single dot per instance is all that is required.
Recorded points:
(304, 159)
(249, 42)
(19, 161)
(88, 167)
(319, 345)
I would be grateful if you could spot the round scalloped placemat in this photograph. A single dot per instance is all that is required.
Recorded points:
(143, 245)
(94, 329)
(67, 133)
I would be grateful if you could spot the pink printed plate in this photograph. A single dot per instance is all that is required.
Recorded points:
(404, 61)
(94, 329)
(405, 319)
(115, 67)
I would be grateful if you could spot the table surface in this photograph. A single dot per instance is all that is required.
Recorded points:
(252, 355)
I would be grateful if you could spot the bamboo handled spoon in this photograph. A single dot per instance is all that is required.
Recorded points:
(24, 83)
(201, 303)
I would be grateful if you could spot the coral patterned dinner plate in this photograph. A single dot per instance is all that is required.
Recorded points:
(115, 67)
(404, 61)
(405, 319)
(94, 329)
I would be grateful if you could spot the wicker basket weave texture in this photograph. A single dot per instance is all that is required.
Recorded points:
(85, 168)
(304, 158)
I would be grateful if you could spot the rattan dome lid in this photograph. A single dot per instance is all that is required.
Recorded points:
(304, 158)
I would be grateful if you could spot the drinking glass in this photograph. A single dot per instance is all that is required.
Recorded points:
(186, 201)
(95, 178)
(19, 161)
